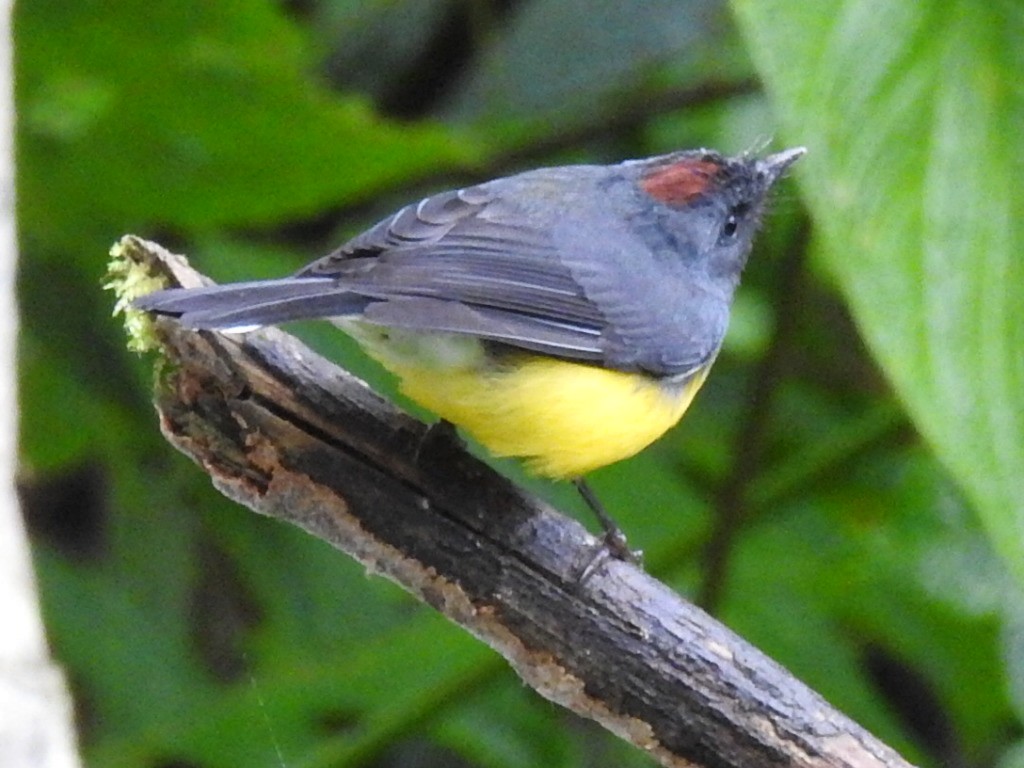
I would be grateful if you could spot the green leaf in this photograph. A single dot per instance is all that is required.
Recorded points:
(192, 115)
(911, 112)
(531, 71)
(922, 587)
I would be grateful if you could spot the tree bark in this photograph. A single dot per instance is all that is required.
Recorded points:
(289, 435)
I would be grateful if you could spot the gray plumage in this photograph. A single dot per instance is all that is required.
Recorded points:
(584, 263)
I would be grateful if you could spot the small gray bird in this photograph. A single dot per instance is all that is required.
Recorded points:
(565, 315)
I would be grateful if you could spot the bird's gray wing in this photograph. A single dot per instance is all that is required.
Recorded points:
(581, 286)
(461, 262)
(467, 262)
(473, 262)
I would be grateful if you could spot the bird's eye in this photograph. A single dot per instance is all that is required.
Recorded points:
(732, 224)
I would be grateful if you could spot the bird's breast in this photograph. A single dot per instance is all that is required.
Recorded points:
(563, 419)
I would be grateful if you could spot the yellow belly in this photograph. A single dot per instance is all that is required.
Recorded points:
(563, 419)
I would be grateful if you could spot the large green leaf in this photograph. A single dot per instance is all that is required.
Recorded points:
(191, 115)
(912, 114)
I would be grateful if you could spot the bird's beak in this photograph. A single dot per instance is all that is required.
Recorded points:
(773, 166)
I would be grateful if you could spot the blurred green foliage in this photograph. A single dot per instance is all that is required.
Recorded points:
(796, 500)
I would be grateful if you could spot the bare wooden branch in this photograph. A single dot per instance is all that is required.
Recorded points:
(290, 435)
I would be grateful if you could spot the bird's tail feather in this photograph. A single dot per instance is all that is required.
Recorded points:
(244, 306)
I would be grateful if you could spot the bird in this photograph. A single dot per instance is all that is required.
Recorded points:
(566, 316)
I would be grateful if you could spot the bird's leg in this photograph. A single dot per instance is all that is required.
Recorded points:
(441, 432)
(614, 539)
(442, 429)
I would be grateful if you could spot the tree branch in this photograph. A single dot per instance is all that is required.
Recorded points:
(291, 436)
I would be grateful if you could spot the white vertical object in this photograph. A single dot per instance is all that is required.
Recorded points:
(36, 722)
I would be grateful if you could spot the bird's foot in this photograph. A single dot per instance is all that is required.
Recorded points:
(613, 543)
(441, 434)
